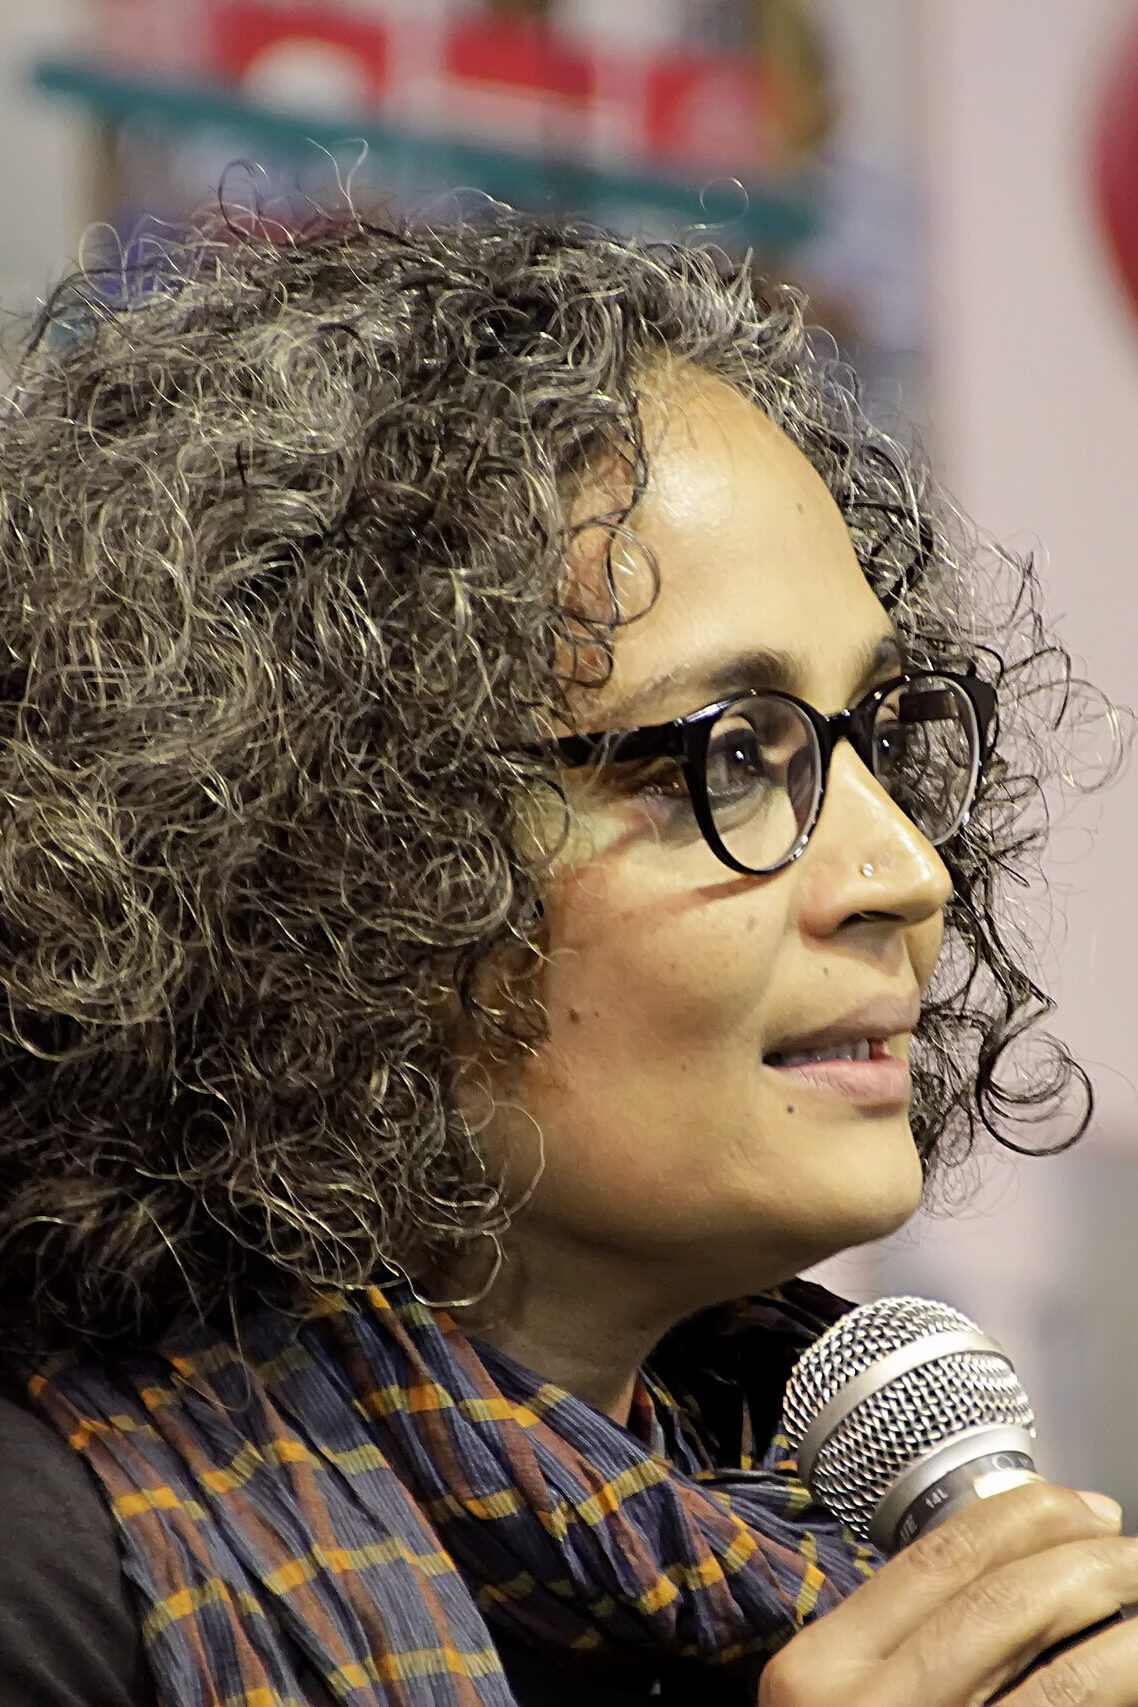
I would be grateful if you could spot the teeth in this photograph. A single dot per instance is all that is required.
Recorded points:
(859, 1051)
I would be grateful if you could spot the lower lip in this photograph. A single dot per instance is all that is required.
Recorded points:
(881, 1082)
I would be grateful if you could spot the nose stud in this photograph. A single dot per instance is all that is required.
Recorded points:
(867, 871)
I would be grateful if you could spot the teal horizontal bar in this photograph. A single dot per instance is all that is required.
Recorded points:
(774, 215)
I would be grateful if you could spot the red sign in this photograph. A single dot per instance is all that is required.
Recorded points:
(1116, 161)
(521, 56)
(515, 81)
(707, 110)
(241, 32)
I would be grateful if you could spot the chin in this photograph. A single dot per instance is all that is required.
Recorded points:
(884, 1214)
(879, 1224)
(875, 1203)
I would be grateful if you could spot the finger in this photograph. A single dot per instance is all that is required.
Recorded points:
(990, 1632)
(909, 1590)
(1103, 1670)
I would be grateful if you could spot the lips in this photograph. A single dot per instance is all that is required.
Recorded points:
(881, 1082)
(875, 1020)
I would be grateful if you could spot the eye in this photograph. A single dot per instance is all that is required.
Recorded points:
(736, 762)
(891, 738)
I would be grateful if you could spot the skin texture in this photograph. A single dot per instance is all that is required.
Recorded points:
(679, 1170)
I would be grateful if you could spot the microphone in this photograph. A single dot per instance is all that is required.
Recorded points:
(903, 1411)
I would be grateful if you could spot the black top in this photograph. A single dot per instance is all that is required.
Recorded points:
(70, 1637)
(68, 1634)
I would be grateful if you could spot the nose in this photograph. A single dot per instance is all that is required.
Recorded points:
(867, 856)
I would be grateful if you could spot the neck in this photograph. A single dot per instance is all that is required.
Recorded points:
(603, 1374)
(575, 1322)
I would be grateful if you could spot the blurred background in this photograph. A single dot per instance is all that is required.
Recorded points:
(955, 183)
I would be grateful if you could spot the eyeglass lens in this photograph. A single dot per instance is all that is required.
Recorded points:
(764, 773)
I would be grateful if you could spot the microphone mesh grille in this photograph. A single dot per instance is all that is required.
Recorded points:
(899, 1423)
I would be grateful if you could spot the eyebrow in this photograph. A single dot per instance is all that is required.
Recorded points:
(757, 669)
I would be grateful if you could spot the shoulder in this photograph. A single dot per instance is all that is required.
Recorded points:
(68, 1634)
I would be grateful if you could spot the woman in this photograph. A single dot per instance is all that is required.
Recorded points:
(495, 752)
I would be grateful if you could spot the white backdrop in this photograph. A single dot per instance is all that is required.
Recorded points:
(1032, 396)
(1034, 362)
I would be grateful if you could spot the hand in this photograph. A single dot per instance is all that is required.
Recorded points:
(963, 1612)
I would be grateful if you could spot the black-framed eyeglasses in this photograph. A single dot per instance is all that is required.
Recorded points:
(755, 767)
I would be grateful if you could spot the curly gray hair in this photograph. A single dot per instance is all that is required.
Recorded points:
(283, 609)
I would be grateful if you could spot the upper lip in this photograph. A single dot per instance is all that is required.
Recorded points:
(885, 1016)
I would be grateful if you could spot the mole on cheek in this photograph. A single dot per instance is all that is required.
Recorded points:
(574, 1016)
(790, 1108)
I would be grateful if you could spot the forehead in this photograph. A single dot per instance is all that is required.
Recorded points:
(751, 553)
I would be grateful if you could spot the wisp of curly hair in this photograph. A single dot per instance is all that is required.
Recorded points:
(283, 612)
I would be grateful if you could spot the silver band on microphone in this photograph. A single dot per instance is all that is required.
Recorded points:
(972, 1465)
(917, 1352)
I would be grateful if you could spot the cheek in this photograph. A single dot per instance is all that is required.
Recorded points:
(656, 979)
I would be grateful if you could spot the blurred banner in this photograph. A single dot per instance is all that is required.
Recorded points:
(726, 118)
(641, 103)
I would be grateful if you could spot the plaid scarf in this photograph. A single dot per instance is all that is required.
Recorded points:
(367, 1499)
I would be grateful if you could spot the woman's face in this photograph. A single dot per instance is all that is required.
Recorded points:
(669, 1140)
